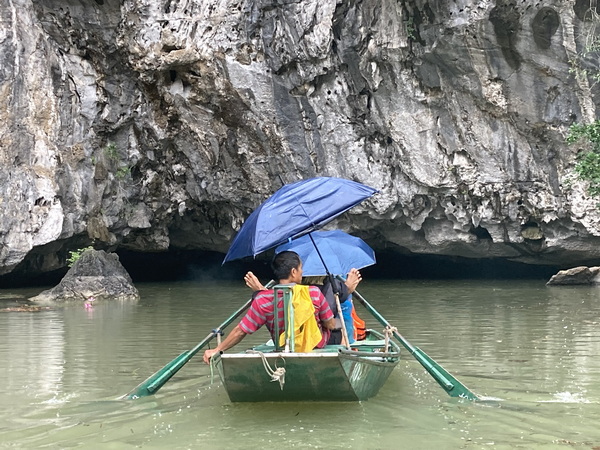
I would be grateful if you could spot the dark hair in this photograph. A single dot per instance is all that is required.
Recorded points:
(283, 263)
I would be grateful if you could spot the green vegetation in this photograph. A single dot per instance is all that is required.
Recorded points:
(588, 161)
(410, 29)
(76, 254)
(111, 151)
(112, 154)
(122, 172)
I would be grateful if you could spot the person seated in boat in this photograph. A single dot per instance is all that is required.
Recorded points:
(343, 289)
(287, 268)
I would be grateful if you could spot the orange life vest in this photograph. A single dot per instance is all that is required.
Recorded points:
(360, 329)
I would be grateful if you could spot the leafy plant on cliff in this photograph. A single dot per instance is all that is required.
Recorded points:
(410, 28)
(587, 167)
(111, 151)
(112, 154)
(122, 172)
(76, 254)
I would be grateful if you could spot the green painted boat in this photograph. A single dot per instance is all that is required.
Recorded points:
(333, 373)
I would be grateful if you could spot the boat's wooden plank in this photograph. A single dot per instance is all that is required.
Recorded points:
(308, 377)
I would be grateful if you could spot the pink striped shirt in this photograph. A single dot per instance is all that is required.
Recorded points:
(261, 313)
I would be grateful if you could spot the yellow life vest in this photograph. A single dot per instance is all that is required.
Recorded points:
(306, 330)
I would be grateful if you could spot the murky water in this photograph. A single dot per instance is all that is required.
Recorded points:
(532, 351)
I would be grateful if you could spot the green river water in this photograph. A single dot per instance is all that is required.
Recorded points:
(531, 351)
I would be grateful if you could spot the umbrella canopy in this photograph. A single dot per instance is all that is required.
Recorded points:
(340, 251)
(294, 210)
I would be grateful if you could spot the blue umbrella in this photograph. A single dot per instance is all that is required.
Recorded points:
(294, 210)
(340, 251)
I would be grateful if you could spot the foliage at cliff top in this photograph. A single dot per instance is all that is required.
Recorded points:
(588, 162)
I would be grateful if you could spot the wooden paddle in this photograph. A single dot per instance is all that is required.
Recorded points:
(158, 379)
(449, 383)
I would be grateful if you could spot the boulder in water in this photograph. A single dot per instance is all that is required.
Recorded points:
(95, 275)
(576, 276)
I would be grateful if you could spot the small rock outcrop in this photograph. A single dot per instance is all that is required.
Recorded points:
(576, 275)
(95, 275)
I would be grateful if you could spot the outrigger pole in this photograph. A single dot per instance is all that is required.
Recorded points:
(449, 383)
(159, 378)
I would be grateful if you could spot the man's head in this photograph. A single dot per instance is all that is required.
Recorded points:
(287, 266)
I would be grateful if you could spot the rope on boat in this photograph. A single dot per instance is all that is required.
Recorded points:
(276, 375)
(388, 332)
(219, 334)
(212, 370)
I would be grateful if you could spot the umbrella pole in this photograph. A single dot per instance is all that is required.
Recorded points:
(320, 256)
(346, 342)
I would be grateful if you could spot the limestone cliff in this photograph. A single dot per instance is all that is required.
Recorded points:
(160, 124)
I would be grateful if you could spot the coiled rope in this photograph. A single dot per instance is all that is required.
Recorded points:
(388, 332)
(276, 375)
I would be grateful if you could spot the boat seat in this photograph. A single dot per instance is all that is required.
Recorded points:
(359, 345)
(369, 343)
(265, 348)
(329, 349)
(269, 348)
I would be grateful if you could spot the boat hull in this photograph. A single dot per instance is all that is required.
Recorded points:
(334, 376)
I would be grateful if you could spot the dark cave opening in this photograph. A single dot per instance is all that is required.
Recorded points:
(192, 265)
(206, 266)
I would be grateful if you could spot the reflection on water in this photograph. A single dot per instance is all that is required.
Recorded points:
(532, 351)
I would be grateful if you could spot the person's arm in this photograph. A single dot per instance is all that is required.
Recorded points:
(329, 324)
(325, 314)
(253, 283)
(343, 291)
(233, 338)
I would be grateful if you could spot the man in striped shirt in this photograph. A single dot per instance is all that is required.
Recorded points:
(287, 268)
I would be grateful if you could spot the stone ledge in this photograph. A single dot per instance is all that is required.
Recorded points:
(581, 275)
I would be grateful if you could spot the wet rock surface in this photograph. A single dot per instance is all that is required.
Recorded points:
(576, 275)
(96, 275)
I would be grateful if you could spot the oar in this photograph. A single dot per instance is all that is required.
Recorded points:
(450, 384)
(158, 379)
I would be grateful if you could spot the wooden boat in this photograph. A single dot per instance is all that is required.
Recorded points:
(333, 373)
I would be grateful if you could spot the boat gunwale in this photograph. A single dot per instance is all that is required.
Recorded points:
(280, 355)
(359, 354)
(376, 358)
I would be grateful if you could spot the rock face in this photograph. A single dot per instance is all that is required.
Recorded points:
(576, 275)
(153, 126)
(95, 275)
